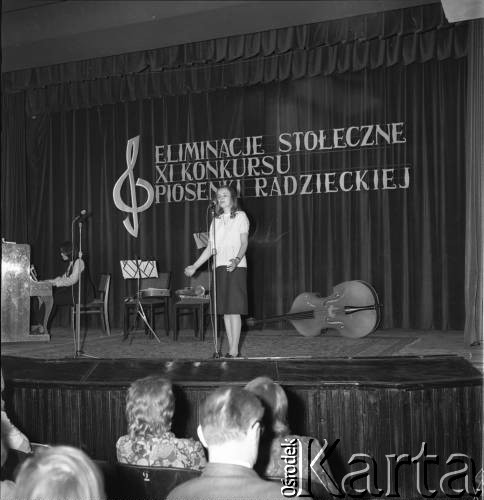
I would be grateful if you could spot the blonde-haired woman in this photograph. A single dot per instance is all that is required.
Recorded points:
(150, 405)
(59, 473)
(277, 436)
(229, 238)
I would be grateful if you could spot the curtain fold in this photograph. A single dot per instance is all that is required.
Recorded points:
(474, 271)
(15, 217)
(404, 36)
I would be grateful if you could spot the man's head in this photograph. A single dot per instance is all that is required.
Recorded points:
(230, 425)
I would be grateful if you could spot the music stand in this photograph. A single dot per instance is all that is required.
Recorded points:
(138, 269)
(201, 240)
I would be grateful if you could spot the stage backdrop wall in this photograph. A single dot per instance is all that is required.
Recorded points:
(356, 201)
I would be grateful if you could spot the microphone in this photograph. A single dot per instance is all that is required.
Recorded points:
(83, 215)
(212, 204)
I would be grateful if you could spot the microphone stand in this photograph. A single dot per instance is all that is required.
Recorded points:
(216, 354)
(77, 329)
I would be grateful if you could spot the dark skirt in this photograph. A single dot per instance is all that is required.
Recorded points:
(231, 290)
(65, 296)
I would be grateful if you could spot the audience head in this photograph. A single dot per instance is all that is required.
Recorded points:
(231, 419)
(150, 405)
(275, 404)
(59, 473)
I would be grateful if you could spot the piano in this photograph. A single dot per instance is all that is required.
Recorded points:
(17, 289)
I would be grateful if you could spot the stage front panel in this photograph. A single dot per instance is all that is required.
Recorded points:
(433, 408)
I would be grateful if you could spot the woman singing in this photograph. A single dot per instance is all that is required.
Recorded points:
(231, 227)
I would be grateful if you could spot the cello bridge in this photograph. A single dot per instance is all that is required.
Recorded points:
(337, 324)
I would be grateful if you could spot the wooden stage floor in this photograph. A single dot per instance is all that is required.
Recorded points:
(254, 344)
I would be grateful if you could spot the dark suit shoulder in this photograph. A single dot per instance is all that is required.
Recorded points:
(230, 488)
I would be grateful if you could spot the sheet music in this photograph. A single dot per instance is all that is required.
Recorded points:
(33, 273)
(201, 240)
(138, 269)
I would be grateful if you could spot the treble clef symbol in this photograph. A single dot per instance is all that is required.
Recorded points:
(131, 155)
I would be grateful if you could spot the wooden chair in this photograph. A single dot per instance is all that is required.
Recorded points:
(99, 305)
(155, 299)
(195, 306)
(135, 482)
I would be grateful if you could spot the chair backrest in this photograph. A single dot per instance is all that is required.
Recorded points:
(151, 483)
(104, 286)
(163, 281)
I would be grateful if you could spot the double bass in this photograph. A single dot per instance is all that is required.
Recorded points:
(353, 309)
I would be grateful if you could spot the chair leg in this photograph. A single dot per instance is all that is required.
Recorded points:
(167, 315)
(126, 320)
(200, 321)
(195, 322)
(175, 331)
(103, 326)
(106, 319)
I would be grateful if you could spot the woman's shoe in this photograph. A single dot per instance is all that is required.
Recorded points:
(228, 356)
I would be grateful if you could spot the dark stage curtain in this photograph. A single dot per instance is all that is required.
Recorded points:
(406, 36)
(409, 243)
(406, 66)
(474, 272)
(15, 212)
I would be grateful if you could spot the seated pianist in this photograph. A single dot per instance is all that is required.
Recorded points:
(65, 291)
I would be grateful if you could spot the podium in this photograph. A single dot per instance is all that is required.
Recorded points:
(17, 288)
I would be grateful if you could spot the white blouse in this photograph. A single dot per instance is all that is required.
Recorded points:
(227, 237)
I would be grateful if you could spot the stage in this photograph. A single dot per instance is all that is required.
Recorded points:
(254, 344)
